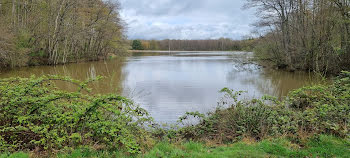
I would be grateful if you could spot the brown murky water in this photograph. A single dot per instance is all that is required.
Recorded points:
(169, 84)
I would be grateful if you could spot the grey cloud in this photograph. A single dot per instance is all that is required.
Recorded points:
(186, 19)
(159, 7)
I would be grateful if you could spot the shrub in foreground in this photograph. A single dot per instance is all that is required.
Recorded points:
(36, 115)
(306, 111)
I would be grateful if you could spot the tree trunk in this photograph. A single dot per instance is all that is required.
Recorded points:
(14, 12)
(1, 3)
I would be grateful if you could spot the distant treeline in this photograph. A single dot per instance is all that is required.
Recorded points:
(305, 34)
(58, 31)
(222, 44)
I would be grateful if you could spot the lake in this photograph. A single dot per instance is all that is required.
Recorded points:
(170, 84)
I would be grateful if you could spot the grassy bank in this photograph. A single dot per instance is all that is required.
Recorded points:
(320, 146)
(39, 118)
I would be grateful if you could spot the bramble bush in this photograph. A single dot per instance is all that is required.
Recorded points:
(324, 109)
(319, 109)
(37, 115)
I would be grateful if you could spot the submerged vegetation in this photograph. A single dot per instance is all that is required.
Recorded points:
(39, 117)
(58, 31)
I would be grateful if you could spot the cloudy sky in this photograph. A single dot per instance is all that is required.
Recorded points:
(186, 19)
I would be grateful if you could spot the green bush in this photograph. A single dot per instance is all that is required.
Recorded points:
(36, 115)
(307, 111)
(246, 119)
(325, 109)
(137, 45)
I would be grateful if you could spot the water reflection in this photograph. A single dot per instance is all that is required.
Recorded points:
(111, 70)
(169, 84)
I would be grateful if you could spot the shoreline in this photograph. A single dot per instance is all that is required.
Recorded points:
(176, 51)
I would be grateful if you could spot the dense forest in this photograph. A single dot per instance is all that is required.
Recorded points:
(58, 31)
(222, 44)
(310, 35)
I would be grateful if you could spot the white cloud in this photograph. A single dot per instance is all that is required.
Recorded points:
(186, 19)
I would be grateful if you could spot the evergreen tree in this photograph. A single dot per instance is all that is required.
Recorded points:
(136, 45)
